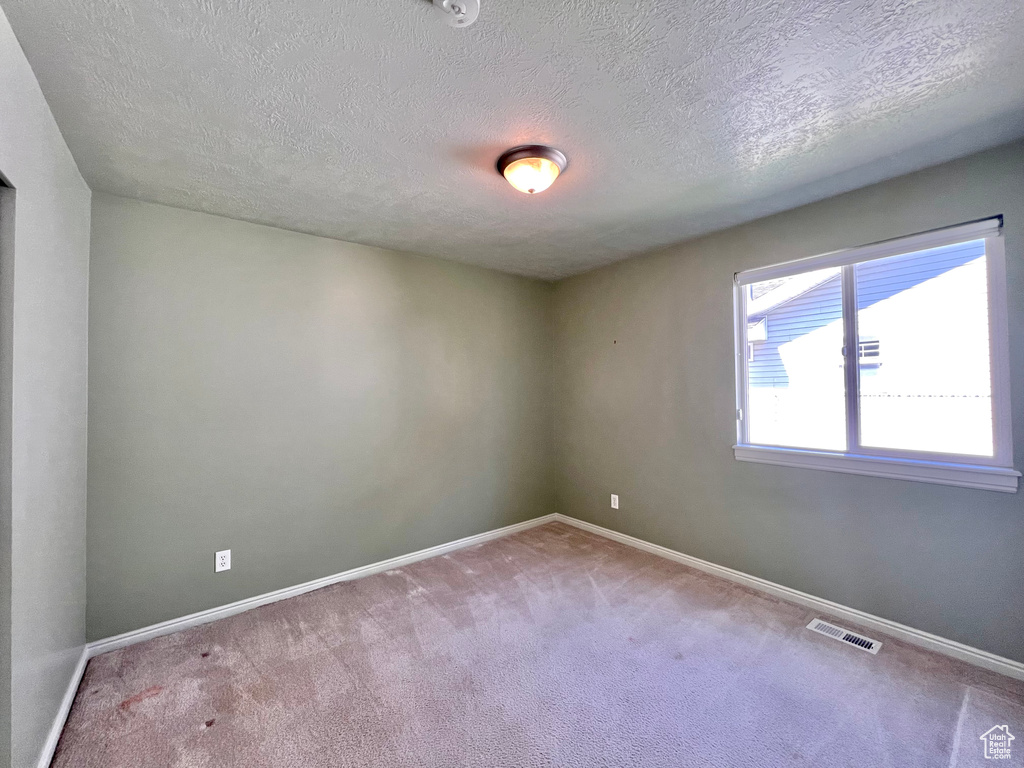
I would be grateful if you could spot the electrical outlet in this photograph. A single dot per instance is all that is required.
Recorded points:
(222, 561)
(615, 501)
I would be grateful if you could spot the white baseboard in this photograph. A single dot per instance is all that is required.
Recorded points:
(213, 614)
(50, 746)
(926, 640)
(917, 637)
(222, 612)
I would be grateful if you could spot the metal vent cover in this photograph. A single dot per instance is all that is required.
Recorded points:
(844, 635)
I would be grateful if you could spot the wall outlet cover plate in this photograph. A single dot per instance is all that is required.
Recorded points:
(222, 561)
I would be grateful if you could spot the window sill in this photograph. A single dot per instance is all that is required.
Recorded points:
(963, 475)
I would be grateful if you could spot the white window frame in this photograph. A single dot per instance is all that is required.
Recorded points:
(995, 473)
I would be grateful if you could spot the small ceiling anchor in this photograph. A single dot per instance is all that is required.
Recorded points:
(458, 13)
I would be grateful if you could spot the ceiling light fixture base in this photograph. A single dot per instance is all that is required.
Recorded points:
(531, 150)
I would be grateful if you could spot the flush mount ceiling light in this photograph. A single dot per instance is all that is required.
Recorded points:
(532, 168)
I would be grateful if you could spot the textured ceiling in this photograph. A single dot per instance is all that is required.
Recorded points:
(375, 123)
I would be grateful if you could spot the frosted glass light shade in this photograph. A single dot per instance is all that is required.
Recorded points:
(532, 174)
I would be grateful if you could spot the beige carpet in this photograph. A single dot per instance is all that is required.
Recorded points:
(549, 648)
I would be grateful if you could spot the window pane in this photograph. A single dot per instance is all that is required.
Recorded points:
(795, 386)
(925, 382)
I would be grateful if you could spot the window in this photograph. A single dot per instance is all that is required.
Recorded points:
(925, 395)
(869, 352)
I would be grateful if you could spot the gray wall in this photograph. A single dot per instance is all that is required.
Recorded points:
(645, 408)
(310, 404)
(43, 322)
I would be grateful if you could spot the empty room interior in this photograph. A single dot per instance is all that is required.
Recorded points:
(479, 383)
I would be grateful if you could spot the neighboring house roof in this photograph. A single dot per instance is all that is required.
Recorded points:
(791, 288)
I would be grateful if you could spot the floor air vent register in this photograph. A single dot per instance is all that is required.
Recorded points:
(844, 635)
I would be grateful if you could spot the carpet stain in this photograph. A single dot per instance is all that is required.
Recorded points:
(262, 692)
(210, 722)
(149, 693)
